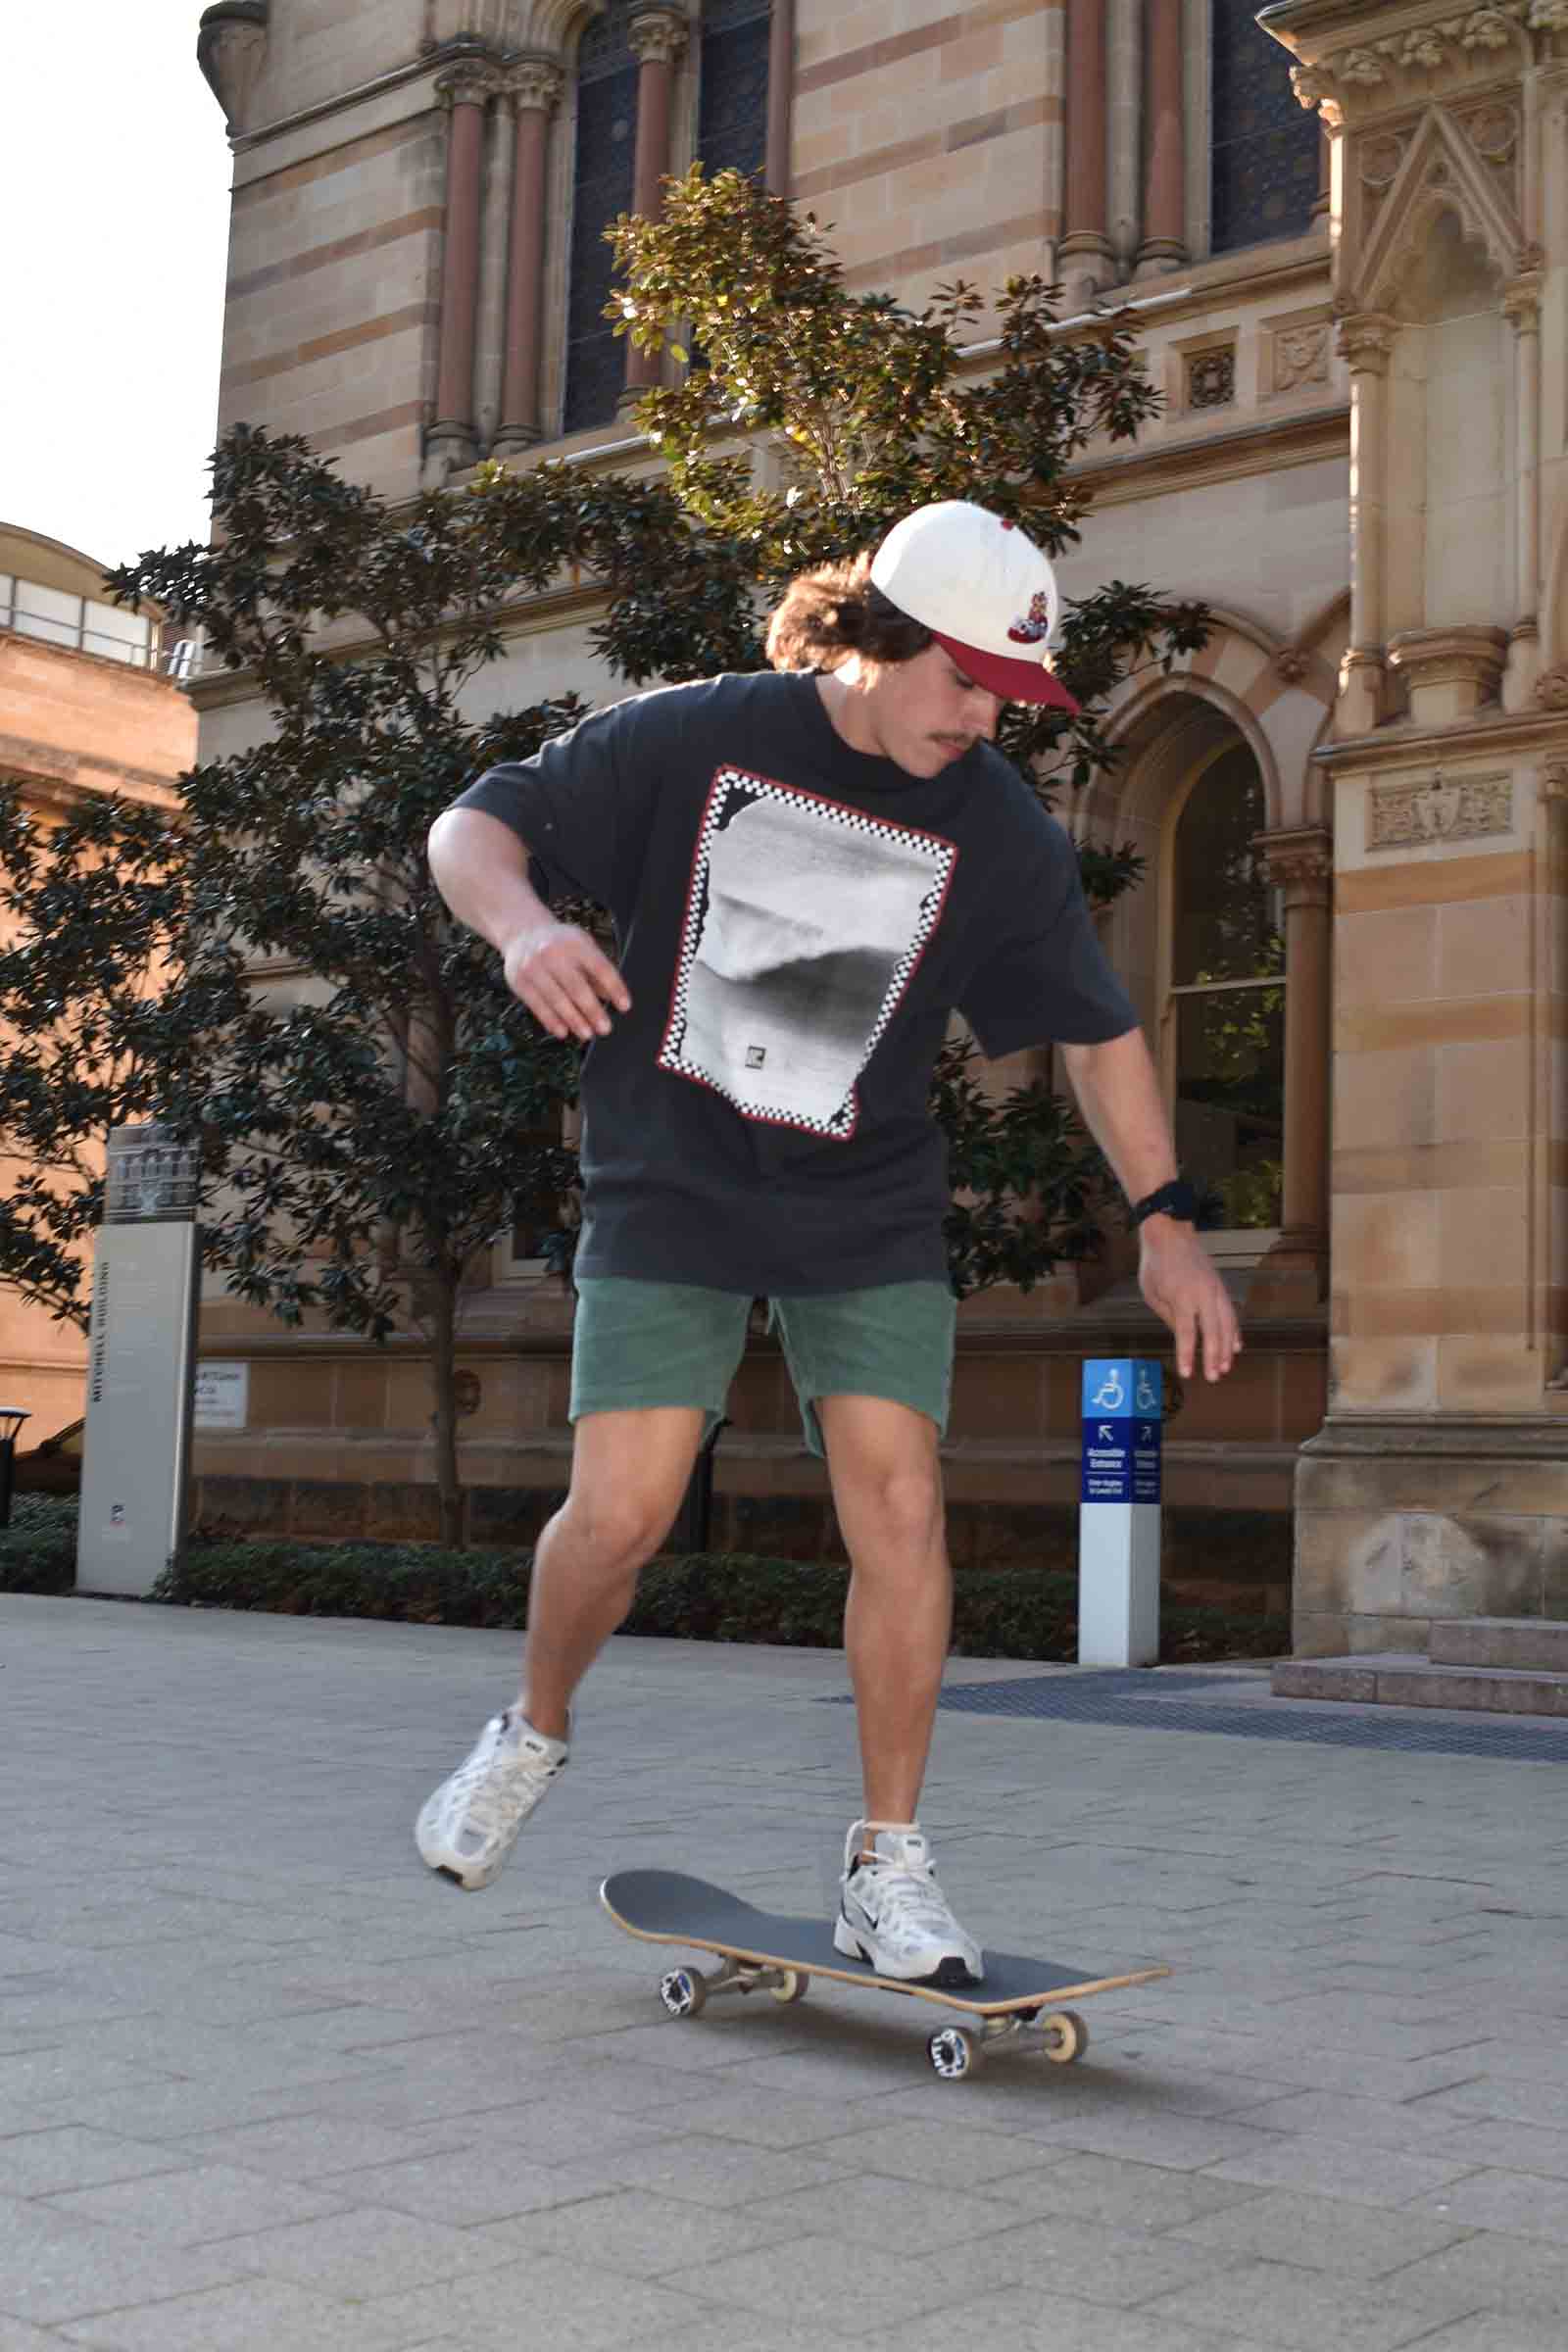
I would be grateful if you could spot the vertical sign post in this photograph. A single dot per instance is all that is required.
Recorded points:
(1119, 1517)
(141, 1351)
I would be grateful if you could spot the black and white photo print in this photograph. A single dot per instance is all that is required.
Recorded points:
(805, 922)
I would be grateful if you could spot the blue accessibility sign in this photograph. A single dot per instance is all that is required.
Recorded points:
(1123, 1428)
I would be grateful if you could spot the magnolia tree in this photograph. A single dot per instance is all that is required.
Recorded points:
(370, 1098)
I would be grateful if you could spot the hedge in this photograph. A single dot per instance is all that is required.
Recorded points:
(999, 1613)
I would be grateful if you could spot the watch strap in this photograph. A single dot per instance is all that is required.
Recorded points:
(1175, 1200)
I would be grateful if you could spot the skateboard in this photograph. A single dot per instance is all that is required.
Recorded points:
(768, 1952)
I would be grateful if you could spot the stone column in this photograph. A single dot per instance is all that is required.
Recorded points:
(1124, 128)
(780, 96)
(1522, 305)
(658, 37)
(535, 87)
(1366, 341)
(1293, 1279)
(1165, 245)
(449, 444)
(1085, 257)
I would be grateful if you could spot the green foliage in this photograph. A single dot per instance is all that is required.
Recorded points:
(39, 1549)
(997, 1613)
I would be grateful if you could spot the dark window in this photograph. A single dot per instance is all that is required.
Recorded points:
(732, 108)
(1265, 145)
(607, 147)
(1228, 996)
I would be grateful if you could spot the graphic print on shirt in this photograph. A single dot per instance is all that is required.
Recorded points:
(803, 922)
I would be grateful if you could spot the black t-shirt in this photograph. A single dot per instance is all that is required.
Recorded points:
(797, 921)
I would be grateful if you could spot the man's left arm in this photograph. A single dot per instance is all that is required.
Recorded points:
(1119, 1095)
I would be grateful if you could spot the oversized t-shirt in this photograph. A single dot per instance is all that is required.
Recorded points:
(797, 921)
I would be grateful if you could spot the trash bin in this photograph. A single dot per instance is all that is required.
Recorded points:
(11, 1419)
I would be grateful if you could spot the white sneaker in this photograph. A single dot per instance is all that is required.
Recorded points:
(468, 1827)
(893, 1913)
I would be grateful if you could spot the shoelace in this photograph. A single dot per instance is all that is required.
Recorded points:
(495, 1797)
(915, 1892)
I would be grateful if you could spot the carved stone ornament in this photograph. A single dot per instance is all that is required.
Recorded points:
(1455, 41)
(659, 37)
(1302, 356)
(1552, 691)
(1434, 809)
(1297, 860)
(1291, 665)
(536, 83)
(471, 82)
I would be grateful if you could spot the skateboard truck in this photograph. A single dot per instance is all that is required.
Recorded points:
(685, 1992)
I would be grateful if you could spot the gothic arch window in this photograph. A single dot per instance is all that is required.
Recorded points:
(1265, 162)
(732, 103)
(1224, 997)
(601, 189)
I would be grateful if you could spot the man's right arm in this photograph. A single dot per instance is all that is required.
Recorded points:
(563, 975)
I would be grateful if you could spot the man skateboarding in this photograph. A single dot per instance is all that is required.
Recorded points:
(809, 871)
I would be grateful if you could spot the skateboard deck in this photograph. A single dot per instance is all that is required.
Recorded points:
(773, 1951)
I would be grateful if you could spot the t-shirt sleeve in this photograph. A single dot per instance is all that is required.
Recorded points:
(582, 804)
(1046, 981)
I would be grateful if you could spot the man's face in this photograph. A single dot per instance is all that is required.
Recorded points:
(925, 713)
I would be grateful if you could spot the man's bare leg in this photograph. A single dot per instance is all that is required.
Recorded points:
(887, 1488)
(629, 1474)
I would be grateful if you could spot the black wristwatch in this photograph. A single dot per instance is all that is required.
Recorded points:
(1176, 1200)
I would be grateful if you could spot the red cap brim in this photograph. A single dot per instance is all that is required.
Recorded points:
(1016, 681)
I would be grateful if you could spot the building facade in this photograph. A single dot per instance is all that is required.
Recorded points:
(86, 705)
(1333, 228)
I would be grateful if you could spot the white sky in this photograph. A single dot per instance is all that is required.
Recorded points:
(116, 175)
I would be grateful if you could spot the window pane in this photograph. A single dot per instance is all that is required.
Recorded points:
(607, 148)
(1266, 168)
(1230, 1099)
(1227, 918)
(732, 118)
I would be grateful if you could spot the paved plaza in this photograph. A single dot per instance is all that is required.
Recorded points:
(266, 2084)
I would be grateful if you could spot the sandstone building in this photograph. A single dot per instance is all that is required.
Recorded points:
(1338, 229)
(86, 705)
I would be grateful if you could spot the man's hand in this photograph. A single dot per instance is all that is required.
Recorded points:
(1181, 1284)
(564, 978)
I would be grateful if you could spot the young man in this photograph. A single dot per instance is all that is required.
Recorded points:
(809, 871)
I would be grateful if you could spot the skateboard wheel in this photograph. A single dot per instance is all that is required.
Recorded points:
(954, 2053)
(793, 1986)
(1065, 2037)
(684, 1991)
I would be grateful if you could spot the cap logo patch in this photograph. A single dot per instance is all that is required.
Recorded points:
(1033, 624)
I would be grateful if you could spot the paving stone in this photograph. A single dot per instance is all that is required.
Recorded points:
(951, 2155)
(588, 2309)
(818, 2280)
(1334, 2169)
(1495, 2332)
(1321, 2234)
(644, 2237)
(264, 2315)
(720, 2172)
(364, 2252)
(1282, 2305)
(202, 2202)
(1113, 2190)
(1025, 2320)
(1521, 2202)
(36, 2164)
(56, 2267)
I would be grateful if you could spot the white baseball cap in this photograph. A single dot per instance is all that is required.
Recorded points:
(984, 590)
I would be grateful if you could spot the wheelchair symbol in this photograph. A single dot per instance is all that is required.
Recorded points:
(1148, 1401)
(1112, 1395)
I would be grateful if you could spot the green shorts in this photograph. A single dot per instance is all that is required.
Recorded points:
(641, 1343)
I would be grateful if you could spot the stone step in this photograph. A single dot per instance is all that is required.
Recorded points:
(1528, 1645)
(1399, 1679)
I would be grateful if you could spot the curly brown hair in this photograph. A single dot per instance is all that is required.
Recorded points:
(837, 611)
